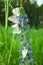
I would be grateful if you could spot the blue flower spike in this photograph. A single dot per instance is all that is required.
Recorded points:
(26, 50)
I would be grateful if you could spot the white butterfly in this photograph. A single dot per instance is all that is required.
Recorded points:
(14, 19)
(24, 53)
(16, 30)
(16, 13)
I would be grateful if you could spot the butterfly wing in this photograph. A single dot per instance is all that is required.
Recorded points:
(16, 11)
(16, 30)
(13, 19)
(24, 53)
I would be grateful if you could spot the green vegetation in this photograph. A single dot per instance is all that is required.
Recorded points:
(9, 52)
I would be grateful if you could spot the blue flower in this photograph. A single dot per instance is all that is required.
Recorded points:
(27, 39)
(21, 49)
(21, 34)
(23, 43)
(19, 18)
(23, 28)
(25, 17)
(22, 61)
(29, 52)
(31, 60)
(26, 20)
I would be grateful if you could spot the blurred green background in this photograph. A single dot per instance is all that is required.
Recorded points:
(35, 12)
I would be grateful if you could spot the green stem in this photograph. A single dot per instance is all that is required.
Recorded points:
(6, 18)
(10, 50)
(6, 14)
